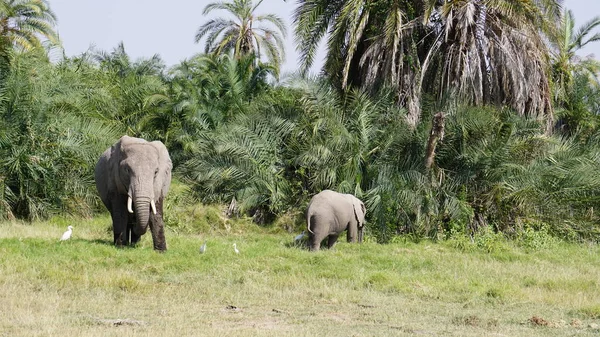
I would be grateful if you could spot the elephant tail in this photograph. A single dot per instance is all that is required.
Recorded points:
(308, 218)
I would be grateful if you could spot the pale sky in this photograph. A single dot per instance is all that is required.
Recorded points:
(168, 28)
(149, 27)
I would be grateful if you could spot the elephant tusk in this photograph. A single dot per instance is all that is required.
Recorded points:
(153, 205)
(129, 209)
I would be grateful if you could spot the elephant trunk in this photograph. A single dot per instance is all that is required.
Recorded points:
(142, 213)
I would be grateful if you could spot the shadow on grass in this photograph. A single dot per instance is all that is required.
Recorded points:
(303, 245)
(102, 242)
(298, 245)
(111, 244)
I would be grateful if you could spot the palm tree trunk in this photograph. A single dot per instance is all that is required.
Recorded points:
(481, 48)
(437, 133)
(413, 98)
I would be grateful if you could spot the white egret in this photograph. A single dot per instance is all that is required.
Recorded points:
(203, 248)
(67, 235)
(235, 249)
(299, 236)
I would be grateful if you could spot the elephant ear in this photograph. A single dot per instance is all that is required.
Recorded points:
(163, 178)
(359, 211)
(113, 167)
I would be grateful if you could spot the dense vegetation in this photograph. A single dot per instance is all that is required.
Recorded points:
(516, 148)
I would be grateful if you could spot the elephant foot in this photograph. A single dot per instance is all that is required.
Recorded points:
(160, 247)
(314, 246)
(135, 239)
(157, 228)
(119, 238)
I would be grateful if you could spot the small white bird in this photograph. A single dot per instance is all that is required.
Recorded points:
(299, 236)
(203, 248)
(67, 235)
(235, 249)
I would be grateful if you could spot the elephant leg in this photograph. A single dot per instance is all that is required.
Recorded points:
(130, 232)
(157, 227)
(332, 239)
(314, 242)
(119, 217)
(352, 232)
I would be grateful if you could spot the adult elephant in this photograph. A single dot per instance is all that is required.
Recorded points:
(135, 172)
(329, 213)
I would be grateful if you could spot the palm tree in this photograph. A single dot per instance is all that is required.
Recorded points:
(242, 35)
(485, 52)
(137, 88)
(371, 44)
(350, 23)
(566, 44)
(22, 22)
(575, 79)
(494, 52)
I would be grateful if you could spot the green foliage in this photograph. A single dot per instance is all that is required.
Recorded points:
(493, 169)
(205, 92)
(503, 170)
(184, 215)
(535, 237)
(135, 89)
(486, 240)
(245, 158)
(578, 113)
(47, 151)
(490, 241)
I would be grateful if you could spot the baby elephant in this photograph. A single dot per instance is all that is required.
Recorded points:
(329, 213)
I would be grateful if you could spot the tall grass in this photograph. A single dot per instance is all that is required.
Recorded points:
(489, 286)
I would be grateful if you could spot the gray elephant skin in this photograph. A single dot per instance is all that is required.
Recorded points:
(135, 172)
(330, 213)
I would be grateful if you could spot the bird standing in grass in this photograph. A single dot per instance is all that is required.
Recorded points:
(203, 248)
(235, 249)
(299, 237)
(67, 235)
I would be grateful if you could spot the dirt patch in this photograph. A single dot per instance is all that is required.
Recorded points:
(232, 308)
(539, 321)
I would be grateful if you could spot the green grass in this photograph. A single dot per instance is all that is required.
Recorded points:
(82, 286)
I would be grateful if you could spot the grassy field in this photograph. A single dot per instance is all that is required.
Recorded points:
(87, 287)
